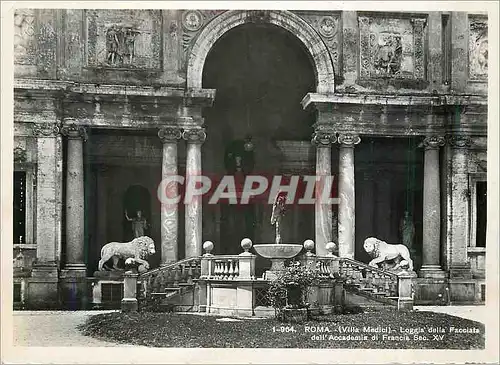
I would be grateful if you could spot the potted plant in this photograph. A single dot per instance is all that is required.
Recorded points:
(287, 293)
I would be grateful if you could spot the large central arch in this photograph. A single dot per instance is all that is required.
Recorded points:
(323, 67)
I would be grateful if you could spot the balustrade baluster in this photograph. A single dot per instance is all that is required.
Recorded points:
(230, 271)
(177, 276)
(216, 268)
(190, 275)
(236, 268)
(226, 270)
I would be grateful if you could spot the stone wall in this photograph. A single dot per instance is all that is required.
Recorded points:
(370, 51)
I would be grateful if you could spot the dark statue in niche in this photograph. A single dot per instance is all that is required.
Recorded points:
(120, 45)
(239, 157)
(139, 224)
(387, 54)
(407, 230)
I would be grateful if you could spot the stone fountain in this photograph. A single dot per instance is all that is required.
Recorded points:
(277, 252)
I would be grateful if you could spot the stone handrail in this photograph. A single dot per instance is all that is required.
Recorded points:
(368, 278)
(180, 272)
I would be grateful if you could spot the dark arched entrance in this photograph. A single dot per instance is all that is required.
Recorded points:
(260, 72)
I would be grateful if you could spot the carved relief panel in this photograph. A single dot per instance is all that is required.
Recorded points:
(327, 27)
(478, 48)
(392, 47)
(24, 36)
(129, 39)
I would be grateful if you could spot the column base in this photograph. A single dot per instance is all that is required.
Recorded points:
(432, 271)
(42, 289)
(74, 287)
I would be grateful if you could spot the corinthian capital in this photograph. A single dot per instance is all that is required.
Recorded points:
(433, 142)
(195, 135)
(321, 138)
(74, 131)
(46, 129)
(459, 141)
(348, 139)
(169, 134)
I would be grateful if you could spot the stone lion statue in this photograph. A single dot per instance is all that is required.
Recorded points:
(138, 249)
(381, 252)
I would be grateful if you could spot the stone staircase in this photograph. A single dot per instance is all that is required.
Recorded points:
(171, 286)
(175, 287)
(367, 286)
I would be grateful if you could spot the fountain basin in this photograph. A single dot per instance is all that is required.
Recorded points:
(278, 251)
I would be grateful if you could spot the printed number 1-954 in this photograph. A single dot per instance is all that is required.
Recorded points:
(284, 329)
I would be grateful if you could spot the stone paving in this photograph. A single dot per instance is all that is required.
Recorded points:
(54, 328)
(59, 328)
(477, 313)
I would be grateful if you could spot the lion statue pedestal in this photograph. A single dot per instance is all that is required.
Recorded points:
(391, 257)
(138, 249)
(133, 254)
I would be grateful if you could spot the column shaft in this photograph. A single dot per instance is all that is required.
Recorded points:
(460, 267)
(432, 209)
(347, 195)
(75, 210)
(323, 225)
(193, 226)
(47, 193)
(323, 210)
(169, 212)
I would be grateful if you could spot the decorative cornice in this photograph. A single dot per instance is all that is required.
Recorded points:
(74, 131)
(323, 138)
(169, 134)
(195, 135)
(348, 139)
(45, 129)
(433, 142)
(459, 141)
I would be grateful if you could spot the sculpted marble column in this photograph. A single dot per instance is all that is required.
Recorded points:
(323, 209)
(169, 212)
(432, 209)
(49, 146)
(42, 289)
(346, 194)
(193, 226)
(459, 266)
(75, 211)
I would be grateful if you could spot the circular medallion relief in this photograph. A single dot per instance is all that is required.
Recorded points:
(192, 20)
(327, 26)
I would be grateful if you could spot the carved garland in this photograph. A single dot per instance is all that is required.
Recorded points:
(323, 138)
(169, 134)
(348, 139)
(74, 131)
(433, 142)
(46, 129)
(194, 135)
(459, 141)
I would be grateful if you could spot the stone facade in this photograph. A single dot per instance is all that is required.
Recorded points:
(106, 100)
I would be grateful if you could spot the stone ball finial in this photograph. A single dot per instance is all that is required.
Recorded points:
(246, 244)
(208, 246)
(309, 245)
(330, 247)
